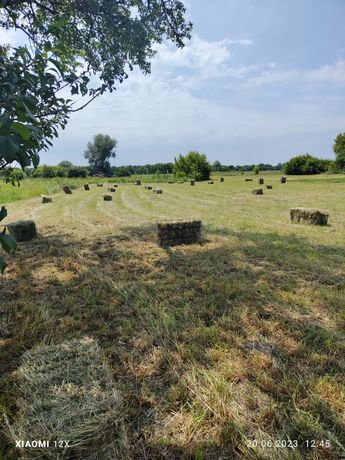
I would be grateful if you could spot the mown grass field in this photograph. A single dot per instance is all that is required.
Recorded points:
(214, 346)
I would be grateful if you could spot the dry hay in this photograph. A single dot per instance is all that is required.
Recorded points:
(248, 180)
(308, 216)
(86, 187)
(46, 199)
(222, 179)
(107, 198)
(283, 180)
(261, 181)
(269, 187)
(192, 182)
(176, 233)
(258, 191)
(67, 190)
(67, 393)
(22, 230)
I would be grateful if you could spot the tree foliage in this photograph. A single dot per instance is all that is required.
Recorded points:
(339, 150)
(7, 243)
(306, 164)
(99, 152)
(72, 41)
(193, 165)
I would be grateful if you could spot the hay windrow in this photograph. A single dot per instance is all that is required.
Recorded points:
(67, 393)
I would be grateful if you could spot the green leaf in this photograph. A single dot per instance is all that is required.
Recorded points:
(3, 264)
(8, 243)
(8, 148)
(23, 131)
(3, 213)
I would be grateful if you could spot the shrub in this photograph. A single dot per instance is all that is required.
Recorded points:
(305, 164)
(77, 171)
(256, 170)
(194, 165)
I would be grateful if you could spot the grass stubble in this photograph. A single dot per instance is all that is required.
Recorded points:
(222, 350)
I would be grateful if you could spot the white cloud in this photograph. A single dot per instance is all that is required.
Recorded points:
(333, 74)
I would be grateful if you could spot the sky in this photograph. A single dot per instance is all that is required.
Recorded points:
(260, 82)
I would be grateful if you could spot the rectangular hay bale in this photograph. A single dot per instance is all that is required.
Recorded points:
(308, 216)
(176, 233)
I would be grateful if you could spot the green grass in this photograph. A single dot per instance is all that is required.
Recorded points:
(30, 188)
(213, 346)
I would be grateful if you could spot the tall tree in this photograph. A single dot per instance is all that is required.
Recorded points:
(193, 165)
(99, 152)
(339, 150)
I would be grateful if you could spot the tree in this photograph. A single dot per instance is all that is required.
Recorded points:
(193, 165)
(99, 151)
(339, 150)
(73, 40)
(256, 169)
(306, 164)
(65, 164)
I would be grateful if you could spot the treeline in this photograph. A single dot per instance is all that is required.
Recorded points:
(217, 166)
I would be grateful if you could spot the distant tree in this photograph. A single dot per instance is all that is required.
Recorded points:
(256, 170)
(65, 164)
(339, 150)
(305, 164)
(193, 165)
(99, 152)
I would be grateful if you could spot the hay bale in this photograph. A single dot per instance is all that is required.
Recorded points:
(115, 185)
(99, 185)
(222, 179)
(158, 191)
(269, 187)
(308, 216)
(176, 233)
(283, 180)
(149, 187)
(67, 393)
(22, 230)
(210, 182)
(248, 180)
(171, 182)
(67, 190)
(192, 182)
(138, 182)
(46, 199)
(258, 191)
(112, 189)
(261, 181)
(86, 187)
(107, 198)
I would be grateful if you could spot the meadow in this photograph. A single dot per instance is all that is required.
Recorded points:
(231, 349)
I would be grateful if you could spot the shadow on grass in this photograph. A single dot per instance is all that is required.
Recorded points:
(212, 345)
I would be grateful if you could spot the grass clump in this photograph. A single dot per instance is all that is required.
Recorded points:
(67, 394)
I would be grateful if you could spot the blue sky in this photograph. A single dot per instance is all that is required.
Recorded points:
(261, 81)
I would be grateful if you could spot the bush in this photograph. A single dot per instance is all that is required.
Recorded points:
(306, 164)
(193, 165)
(256, 170)
(77, 171)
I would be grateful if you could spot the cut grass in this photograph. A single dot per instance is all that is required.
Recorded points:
(214, 346)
